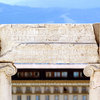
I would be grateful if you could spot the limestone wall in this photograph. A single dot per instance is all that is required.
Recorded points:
(48, 43)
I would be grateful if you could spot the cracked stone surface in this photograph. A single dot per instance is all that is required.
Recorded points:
(49, 43)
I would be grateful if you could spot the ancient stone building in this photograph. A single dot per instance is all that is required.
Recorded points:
(51, 47)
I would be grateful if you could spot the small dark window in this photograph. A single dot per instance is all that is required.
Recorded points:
(20, 74)
(48, 74)
(28, 90)
(47, 89)
(56, 74)
(28, 97)
(64, 74)
(56, 89)
(37, 97)
(65, 89)
(75, 89)
(84, 97)
(65, 97)
(75, 97)
(81, 74)
(47, 97)
(37, 89)
(76, 74)
(18, 97)
(26, 74)
(36, 74)
(84, 89)
(18, 89)
(56, 97)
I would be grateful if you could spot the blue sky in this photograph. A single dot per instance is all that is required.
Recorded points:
(81, 4)
(49, 11)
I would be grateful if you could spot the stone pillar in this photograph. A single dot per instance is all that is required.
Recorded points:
(6, 71)
(80, 97)
(61, 97)
(33, 97)
(14, 97)
(61, 89)
(42, 97)
(42, 89)
(70, 89)
(24, 91)
(93, 71)
(14, 90)
(80, 89)
(52, 89)
(24, 97)
(33, 90)
(52, 97)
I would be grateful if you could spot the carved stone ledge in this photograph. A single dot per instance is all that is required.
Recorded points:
(8, 68)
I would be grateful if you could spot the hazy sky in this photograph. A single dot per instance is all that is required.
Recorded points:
(57, 11)
(55, 3)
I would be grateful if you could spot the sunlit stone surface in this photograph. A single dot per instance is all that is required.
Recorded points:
(49, 43)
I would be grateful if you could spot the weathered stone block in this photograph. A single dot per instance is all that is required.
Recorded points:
(48, 43)
(12, 35)
(53, 53)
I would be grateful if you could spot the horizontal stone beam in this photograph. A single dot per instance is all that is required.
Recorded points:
(12, 35)
(53, 53)
(48, 43)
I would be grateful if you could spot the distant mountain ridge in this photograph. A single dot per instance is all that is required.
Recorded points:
(18, 14)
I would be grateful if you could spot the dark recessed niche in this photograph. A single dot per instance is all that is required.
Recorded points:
(50, 74)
